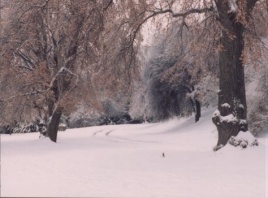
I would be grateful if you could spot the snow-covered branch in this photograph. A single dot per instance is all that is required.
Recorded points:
(58, 73)
(233, 6)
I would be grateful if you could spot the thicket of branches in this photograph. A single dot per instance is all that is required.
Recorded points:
(58, 55)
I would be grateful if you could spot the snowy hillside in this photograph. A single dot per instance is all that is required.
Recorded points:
(127, 161)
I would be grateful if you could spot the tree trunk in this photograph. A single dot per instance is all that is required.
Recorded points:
(52, 129)
(231, 116)
(50, 106)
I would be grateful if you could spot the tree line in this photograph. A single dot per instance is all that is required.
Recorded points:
(56, 54)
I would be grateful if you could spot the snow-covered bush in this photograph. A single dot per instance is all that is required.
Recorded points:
(258, 104)
(83, 116)
(115, 113)
(21, 127)
(256, 74)
(156, 98)
(62, 127)
(243, 140)
(112, 113)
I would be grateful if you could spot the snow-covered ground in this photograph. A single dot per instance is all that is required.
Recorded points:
(127, 161)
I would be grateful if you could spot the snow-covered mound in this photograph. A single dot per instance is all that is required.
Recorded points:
(170, 159)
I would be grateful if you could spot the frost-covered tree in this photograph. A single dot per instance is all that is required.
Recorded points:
(46, 47)
(59, 55)
(166, 97)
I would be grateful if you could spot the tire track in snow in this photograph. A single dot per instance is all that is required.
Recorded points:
(97, 132)
(122, 139)
(129, 140)
(104, 134)
(133, 140)
(108, 132)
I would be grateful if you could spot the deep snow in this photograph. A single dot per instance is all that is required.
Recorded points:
(126, 161)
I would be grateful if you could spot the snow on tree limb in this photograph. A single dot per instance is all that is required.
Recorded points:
(233, 6)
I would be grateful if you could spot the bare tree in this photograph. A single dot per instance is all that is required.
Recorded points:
(118, 49)
(53, 41)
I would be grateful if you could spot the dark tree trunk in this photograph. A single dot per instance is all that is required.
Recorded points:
(232, 96)
(52, 129)
(198, 110)
(50, 106)
(231, 117)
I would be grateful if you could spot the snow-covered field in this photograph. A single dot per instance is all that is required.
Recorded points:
(127, 161)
